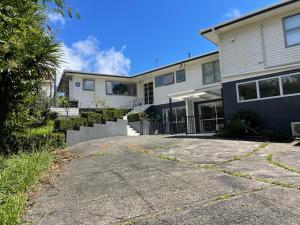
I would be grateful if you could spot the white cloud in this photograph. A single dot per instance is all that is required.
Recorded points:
(232, 13)
(56, 18)
(86, 56)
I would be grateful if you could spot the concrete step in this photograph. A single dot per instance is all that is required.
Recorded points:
(131, 131)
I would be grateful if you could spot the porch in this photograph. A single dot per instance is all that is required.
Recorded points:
(202, 114)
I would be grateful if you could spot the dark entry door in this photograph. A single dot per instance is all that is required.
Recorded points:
(148, 93)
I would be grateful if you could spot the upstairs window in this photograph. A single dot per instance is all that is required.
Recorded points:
(88, 85)
(292, 30)
(164, 80)
(180, 76)
(211, 72)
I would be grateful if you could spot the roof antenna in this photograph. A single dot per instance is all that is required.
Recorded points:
(156, 62)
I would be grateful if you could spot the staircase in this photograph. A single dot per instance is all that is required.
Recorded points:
(132, 132)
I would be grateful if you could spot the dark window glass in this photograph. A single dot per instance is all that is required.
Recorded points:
(118, 88)
(88, 85)
(169, 79)
(292, 30)
(159, 81)
(247, 91)
(291, 84)
(211, 72)
(269, 88)
(164, 80)
(180, 76)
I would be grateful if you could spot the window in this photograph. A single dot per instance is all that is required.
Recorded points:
(291, 84)
(159, 81)
(280, 86)
(247, 91)
(164, 80)
(211, 72)
(292, 30)
(88, 85)
(180, 76)
(120, 88)
(269, 88)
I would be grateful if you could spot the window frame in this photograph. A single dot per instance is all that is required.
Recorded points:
(259, 98)
(285, 30)
(123, 82)
(163, 77)
(179, 81)
(215, 80)
(84, 89)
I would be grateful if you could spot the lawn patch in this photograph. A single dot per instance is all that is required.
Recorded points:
(19, 173)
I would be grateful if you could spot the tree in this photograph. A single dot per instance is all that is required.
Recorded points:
(29, 54)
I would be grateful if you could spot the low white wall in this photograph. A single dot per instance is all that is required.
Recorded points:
(110, 129)
(62, 111)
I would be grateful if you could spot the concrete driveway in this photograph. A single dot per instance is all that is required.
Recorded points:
(160, 180)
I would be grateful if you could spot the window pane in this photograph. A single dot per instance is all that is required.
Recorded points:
(293, 37)
(292, 22)
(159, 81)
(217, 71)
(89, 85)
(109, 88)
(180, 76)
(291, 84)
(269, 88)
(134, 90)
(168, 79)
(247, 91)
(208, 73)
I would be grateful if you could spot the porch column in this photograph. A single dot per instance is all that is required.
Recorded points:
(190, 114)
(171, 116)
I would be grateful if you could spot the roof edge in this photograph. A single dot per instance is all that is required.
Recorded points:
(248, 16)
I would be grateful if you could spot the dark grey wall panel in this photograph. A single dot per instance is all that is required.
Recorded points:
(275, 114)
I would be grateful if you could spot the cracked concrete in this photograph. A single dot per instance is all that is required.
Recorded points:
(121, 180)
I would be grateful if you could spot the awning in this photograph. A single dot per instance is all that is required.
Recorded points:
(198, 94)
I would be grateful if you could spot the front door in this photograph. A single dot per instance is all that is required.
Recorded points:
(211, 117)
(148, 93)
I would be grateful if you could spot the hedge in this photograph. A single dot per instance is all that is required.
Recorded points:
(88, 119)
(132, 117)
(33, 142)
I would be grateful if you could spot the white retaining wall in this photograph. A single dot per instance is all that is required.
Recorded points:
(110, 129)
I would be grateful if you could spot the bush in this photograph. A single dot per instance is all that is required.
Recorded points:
(132, 117)
(69, 124)
(33, 142)
(53, 115)
(243, 123)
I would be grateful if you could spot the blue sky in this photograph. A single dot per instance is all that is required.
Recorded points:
(127, 36)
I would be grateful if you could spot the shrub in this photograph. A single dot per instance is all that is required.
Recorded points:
(243, 123)
(70, 124)
(132, 117)
(33, 142)
(53, 115)
(250, 118)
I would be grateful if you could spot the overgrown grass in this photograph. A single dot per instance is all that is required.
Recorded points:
(17, 174)
(45, 129)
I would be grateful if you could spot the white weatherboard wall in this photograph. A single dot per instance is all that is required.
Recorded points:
(242, 49)
(87, 98)
(193, 75)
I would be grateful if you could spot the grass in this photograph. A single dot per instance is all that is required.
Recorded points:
(280, 164)
(45, 129)
(17, 174)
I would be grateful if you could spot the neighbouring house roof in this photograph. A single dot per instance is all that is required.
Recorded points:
(65, 72)
(278, 7)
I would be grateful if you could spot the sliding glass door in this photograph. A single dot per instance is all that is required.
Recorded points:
(211, 118)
